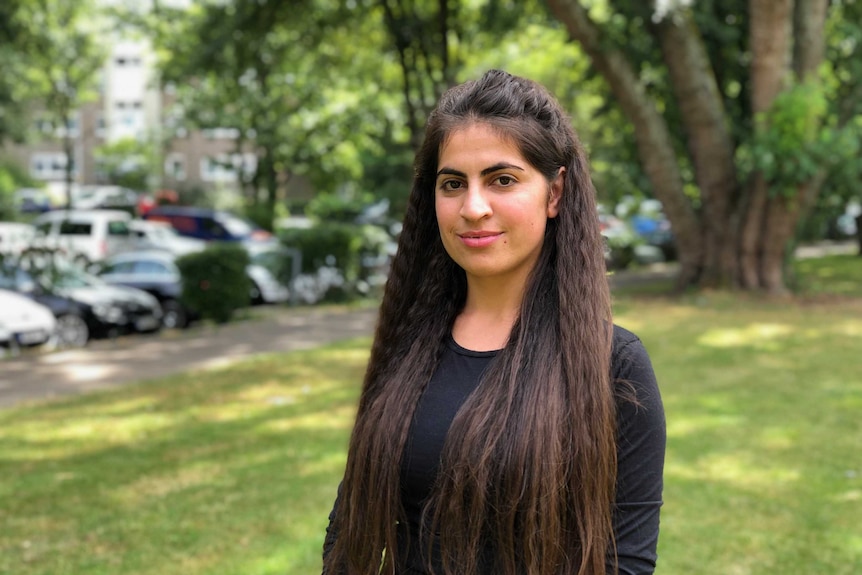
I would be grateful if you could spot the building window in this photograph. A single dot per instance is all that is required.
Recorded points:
(226, 167)
(175, 166)
(221, 133)
(100, 125)
(49, 166)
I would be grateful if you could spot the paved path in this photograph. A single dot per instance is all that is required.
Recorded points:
(104, 364)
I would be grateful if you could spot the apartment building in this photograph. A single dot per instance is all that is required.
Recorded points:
(131, 104)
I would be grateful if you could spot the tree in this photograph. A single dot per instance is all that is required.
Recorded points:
(59, 58)
(12, 98)
(127, 162)
(289, 81)
(730, 77)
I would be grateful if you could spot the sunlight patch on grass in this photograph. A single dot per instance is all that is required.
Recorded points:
(158, 486)
(778, 438)
(853, 495)
(339, 418)
(736, 469)
(681, 427)
(46, 439)
(850, 328)
(759, 335)
(633, 319)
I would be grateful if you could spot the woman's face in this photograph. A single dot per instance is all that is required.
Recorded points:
(492, 205)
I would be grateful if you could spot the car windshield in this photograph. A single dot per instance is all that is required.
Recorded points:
(237, 226)
(68, 277)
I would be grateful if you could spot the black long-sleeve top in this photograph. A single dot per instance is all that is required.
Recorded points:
(640, 450)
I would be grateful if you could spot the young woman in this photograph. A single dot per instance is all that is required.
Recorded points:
(506, 426)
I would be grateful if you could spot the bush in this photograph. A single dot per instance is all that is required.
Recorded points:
(215, 283)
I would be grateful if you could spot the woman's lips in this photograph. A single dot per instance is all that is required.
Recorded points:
(479, 239)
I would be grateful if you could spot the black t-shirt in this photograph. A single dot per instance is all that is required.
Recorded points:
(640, 448)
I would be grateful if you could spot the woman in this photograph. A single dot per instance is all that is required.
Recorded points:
(505, 425)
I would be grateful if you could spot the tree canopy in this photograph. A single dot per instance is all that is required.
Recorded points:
(739, 115)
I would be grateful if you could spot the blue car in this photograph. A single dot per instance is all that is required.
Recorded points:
(212, 225)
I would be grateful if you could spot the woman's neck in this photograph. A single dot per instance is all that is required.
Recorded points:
(489, 313)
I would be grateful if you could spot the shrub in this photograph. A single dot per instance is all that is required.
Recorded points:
(215, 283)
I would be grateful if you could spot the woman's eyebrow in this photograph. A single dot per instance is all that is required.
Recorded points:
(485, 172)
(451, 172)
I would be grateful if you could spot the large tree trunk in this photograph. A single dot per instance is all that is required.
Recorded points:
(809, 46)
(654, 144)
(710, 144)
(770, 42)
(746, 228)
(772, 31)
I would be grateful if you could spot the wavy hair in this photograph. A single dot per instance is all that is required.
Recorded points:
(529, 464)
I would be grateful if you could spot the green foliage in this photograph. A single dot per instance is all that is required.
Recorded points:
(12, 177)
(337, 207)
(299, 91)
(332, 244)
(127, 162)
(215, 282)
(792, 145)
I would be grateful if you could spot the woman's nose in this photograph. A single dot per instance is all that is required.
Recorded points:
(476, 205)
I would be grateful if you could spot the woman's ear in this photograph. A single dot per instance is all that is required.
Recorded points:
(555, 193)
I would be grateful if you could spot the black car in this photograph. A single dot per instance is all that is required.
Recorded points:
(74, 295)
(155, 272)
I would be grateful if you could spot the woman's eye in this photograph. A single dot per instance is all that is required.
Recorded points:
(451, 185)
(506, 180)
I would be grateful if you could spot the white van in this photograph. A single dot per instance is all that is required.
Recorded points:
(92, 235)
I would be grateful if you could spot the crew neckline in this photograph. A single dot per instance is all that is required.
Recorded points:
(457, 348)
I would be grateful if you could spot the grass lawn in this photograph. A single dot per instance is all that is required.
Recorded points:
(233, 471)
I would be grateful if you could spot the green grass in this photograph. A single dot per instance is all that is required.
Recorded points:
(836, 275)
(222, 472)
(233, 471)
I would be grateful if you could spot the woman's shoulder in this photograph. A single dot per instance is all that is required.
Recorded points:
(630, 361)
(624, 339)
(639, 402)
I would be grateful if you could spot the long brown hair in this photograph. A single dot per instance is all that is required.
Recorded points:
(529, 464)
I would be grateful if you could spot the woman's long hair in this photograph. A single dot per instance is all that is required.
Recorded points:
(529, 465)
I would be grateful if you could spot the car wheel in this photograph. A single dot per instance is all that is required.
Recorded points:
(255, 294)
(71, 331)
(173, 315)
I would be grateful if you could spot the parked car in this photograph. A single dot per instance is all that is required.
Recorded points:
(212, 225)
(32, 201)
(265, 272)
(151, 234)
(86, 235)
(117, 309)
(74, 320)
(155, 272)
(105, 197)
(23, 322)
